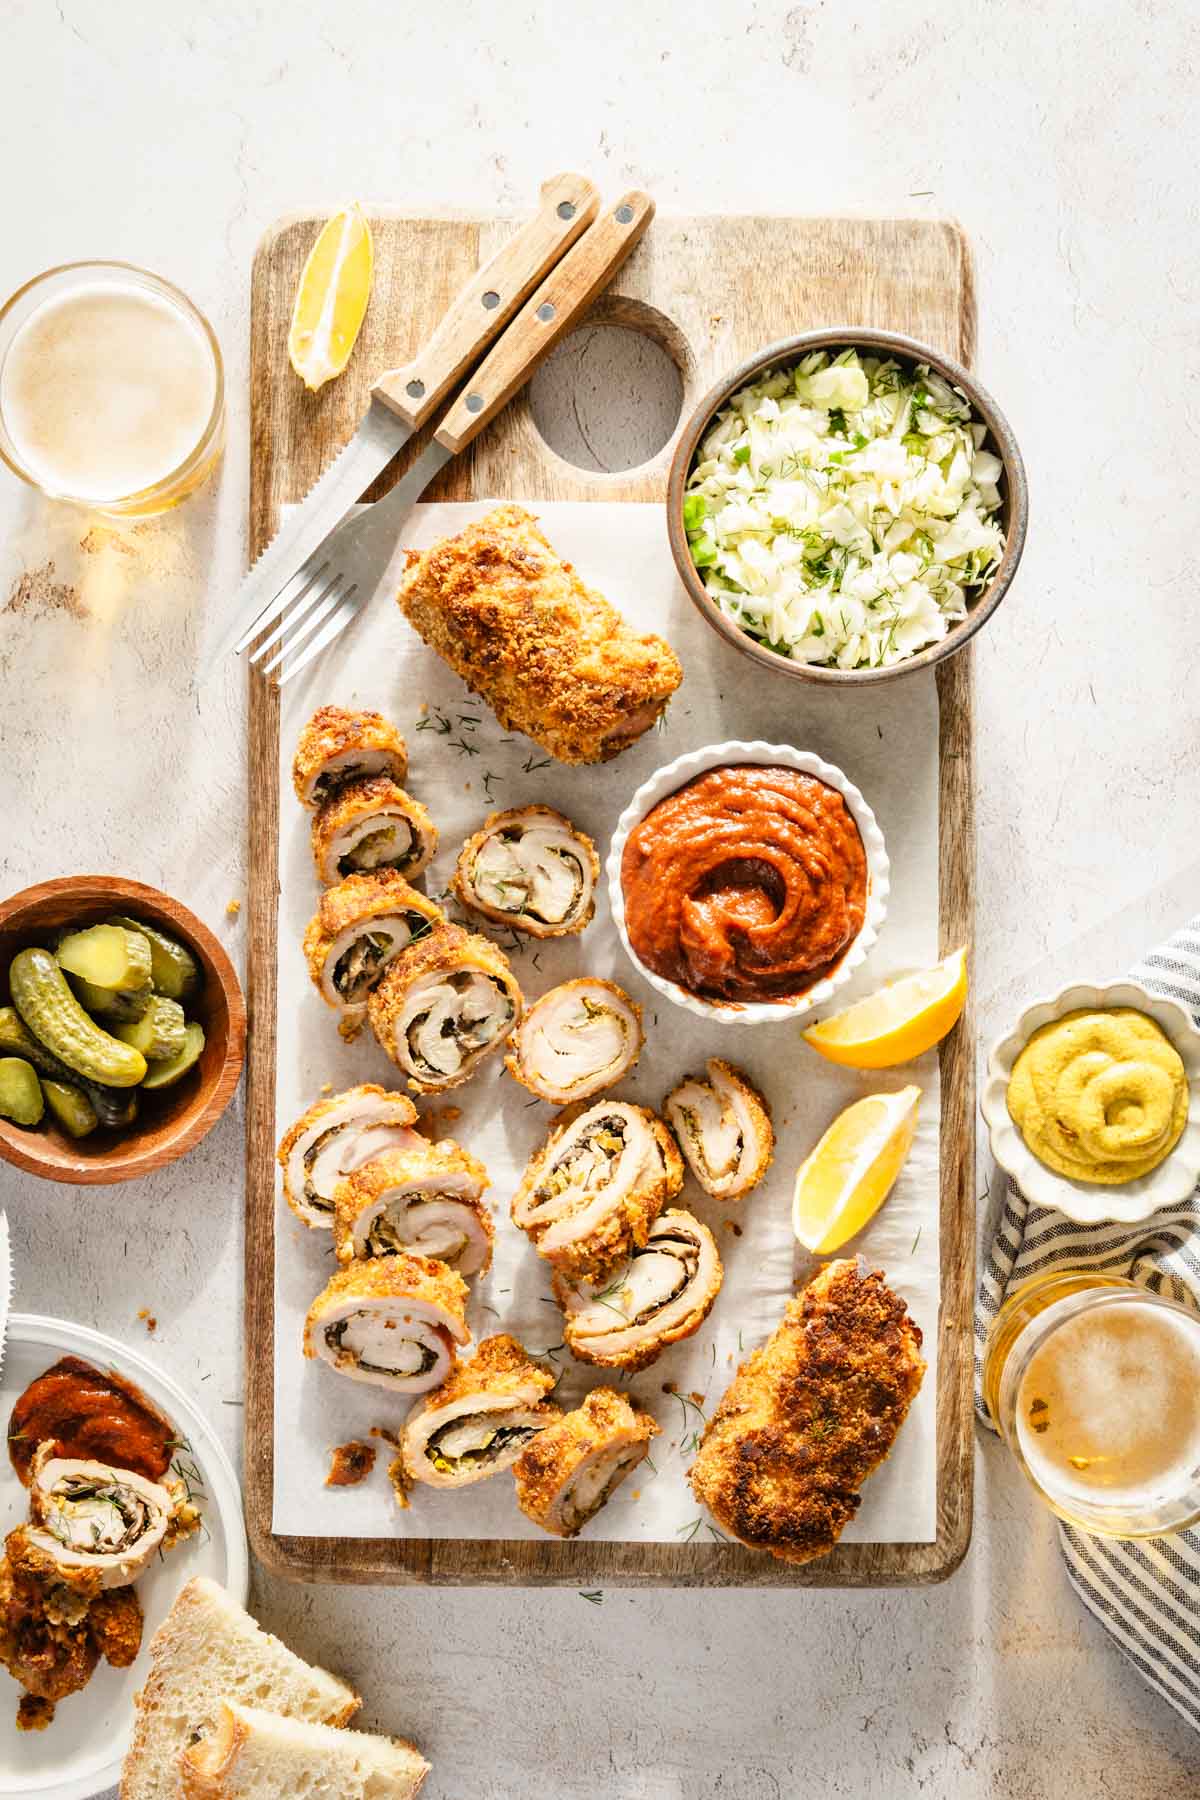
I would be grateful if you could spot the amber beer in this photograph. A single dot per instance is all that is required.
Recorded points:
(1094, 1384)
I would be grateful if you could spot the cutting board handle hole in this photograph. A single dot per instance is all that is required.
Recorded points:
(610, 396)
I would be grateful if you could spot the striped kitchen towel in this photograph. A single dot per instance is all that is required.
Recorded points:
(1146, 1593)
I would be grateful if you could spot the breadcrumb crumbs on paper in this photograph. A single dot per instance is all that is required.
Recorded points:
(34, 1713)
(148, 1319)
(233, 908)
(350, 1463)
(327, 1087)
(732, 1225)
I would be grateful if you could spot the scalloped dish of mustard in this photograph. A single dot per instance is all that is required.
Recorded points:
(1100, 1096)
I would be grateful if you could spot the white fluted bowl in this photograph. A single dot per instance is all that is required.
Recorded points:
(1091, 1203)
(714, 756)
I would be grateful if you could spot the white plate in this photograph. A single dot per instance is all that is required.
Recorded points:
(716, 756)
(80, 1753)
(1085, 1202)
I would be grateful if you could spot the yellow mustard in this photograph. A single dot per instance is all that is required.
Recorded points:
(1100, 1096)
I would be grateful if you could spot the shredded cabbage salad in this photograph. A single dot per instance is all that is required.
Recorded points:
(843, 511)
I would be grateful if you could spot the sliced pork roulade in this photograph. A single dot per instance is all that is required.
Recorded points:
(663, 1292)
(532, 869)
(592, 1192)
(391, 1320)
(723, 1128)
(337, 746)
(444, 1006)
(478, 1422)
(337, 1135)
(360, 925)
(428, 1199)
(576, 1040)
(569, 1470)
(91, 1526)
(369, 828)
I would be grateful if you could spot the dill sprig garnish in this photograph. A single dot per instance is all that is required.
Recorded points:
(595, 1598)
(436, 721)
(531, 766)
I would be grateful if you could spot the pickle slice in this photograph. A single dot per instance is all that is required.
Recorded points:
(108, 956)
(166, 1074)
(70, 1106)
(160, 1033)
(110, 1003)
(20, 1092)
(174, 971)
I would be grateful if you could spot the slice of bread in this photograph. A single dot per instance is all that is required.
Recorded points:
(256, 1755)
(207, 1650)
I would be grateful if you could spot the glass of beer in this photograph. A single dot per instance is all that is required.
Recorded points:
(1094, 1384)
(112, 392)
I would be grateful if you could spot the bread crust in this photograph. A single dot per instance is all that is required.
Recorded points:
(332, 731)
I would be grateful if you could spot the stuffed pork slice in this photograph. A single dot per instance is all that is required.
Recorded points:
(577, 1040)
(532, 869)
(339, 745)
(393, 1321)
(723, 1128)
(371, 827)
(444, 1006)
(591, 1193)
(93, 1527)
(339, 1135)
(662, 1293)
(478, 1422)
(569, 1470)
(359, 927)
(428, 1199)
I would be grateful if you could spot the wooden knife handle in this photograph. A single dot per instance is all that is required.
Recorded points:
(547, 315)
(480, 312)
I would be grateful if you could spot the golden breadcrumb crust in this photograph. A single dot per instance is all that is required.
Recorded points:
(355, 901)
(551, 657)
(404, 1276)
(359, 800)
(461, 882)
(320, 1110)
(446, 948)
(332, 731)
(501, 1365)
(626, 1225)
(810, 1415)
(640, 1356)
(397, 1169)
(516, 1067)
(606, 1421)
(760, 1115)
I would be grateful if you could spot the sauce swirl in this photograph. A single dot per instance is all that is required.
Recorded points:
(748, 883)
(90, 1413)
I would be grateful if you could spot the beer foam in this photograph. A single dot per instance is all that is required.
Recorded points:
(1108, 1410)
(106, 390)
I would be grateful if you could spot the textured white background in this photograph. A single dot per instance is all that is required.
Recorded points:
(1065, 140)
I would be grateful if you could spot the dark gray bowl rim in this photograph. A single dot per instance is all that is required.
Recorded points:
(1014, 505)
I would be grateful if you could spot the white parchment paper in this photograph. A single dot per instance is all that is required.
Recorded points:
(462, 766)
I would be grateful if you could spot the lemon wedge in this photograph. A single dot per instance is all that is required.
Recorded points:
(898, 1022)
(331, 300)
(850, 1174)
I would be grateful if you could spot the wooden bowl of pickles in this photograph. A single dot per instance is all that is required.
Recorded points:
(122, 1029)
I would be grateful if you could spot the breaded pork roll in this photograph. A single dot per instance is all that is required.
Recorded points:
(568, 1472)
(592, 1192)
(428, 1199)
(393, 1321)
(92, 1527)
(337, 1135)
(532, 869)
(371, 827)
(339, 745)
(663, 1292)
(478, 1422)
(551, 657)
(723, 1128)
(577, 1040)
(445, 1005)
(359, 927)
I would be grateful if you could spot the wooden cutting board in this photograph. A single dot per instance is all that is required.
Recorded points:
(711, 291)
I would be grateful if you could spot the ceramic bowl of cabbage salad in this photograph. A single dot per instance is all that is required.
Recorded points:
(847, 506)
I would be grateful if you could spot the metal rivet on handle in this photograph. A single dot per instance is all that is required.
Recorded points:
(566, 209)
(491, 299)
(624, 215)
(545, 311)
(474, 402)
(415, 390)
